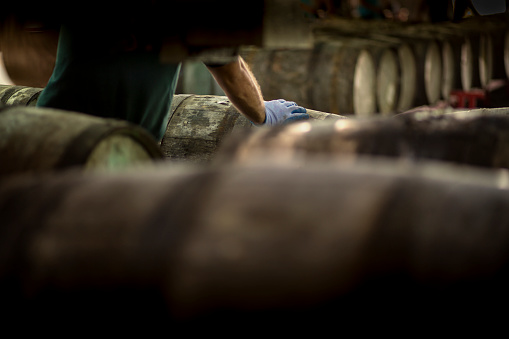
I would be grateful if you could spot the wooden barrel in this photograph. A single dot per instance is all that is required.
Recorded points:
(28, 52)
(486, 57)
(429, 72)
(19, 95)
(388, 81)
(470, 77)
(466, 138)
(266, 245)
(451, 67)
(39, 139)
(329, 78)
(199, 123)
(408, 86)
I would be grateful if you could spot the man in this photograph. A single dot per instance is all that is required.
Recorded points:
(108, 73)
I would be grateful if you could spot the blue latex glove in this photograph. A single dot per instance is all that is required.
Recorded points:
(281, 111)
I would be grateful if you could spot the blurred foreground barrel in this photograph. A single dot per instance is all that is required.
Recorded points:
(199, 123)
(331, 78)
(466, 138)
(40, 139)
(284, 246)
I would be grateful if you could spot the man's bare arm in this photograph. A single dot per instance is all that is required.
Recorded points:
(241, 87)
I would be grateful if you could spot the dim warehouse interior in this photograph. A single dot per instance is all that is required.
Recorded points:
(207, 166)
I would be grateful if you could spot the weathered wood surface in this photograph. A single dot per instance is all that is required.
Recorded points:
(38, 139)
(19, 95)
(466, 138)
(199, 123)
(271, 245)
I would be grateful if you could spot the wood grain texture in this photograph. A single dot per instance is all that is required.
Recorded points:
(199, 123)
(19, 95)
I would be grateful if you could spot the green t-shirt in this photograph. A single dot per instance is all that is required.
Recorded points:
(95, 73)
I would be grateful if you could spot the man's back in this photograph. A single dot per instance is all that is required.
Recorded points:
(111, 74)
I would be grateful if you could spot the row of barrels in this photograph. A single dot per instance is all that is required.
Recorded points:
(364, 79)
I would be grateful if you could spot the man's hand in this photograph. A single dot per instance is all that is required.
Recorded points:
(241, 87)
(281, 111)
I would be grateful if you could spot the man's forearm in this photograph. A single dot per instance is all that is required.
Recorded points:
(241, 87)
